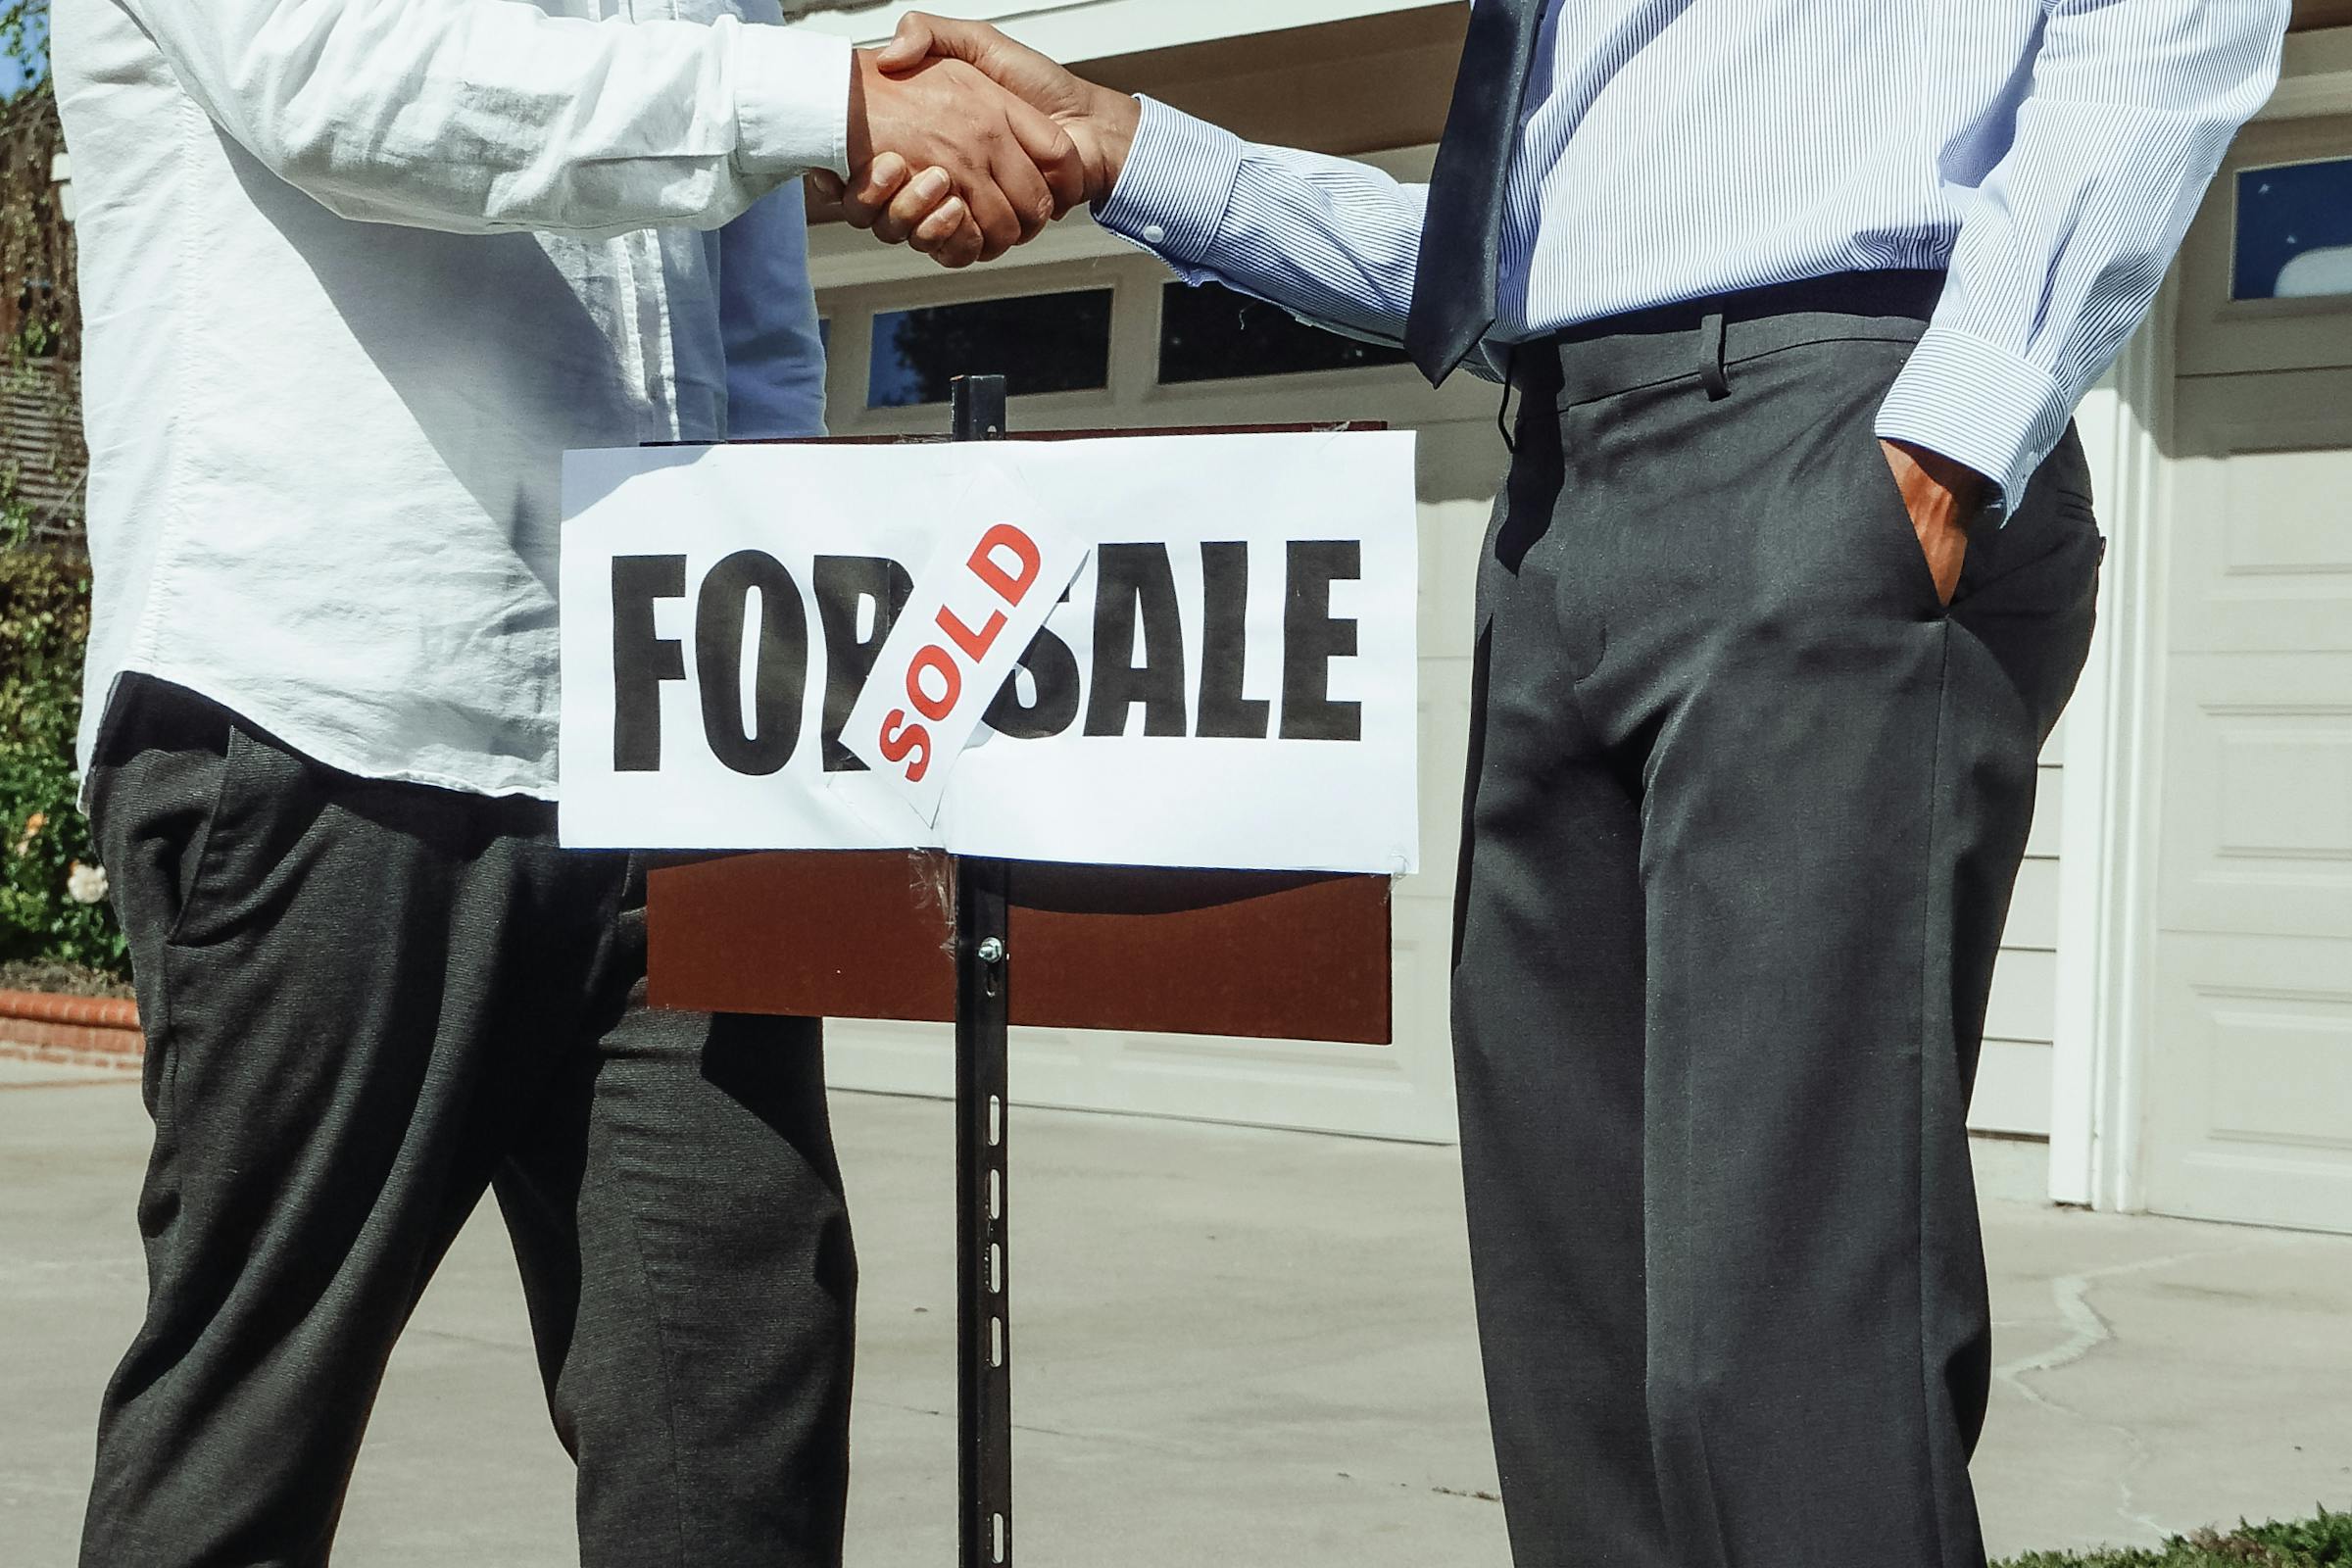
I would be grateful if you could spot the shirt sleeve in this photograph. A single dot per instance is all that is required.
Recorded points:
(481, 115)
(767, 321)
(1332, 241)
(2060, 255)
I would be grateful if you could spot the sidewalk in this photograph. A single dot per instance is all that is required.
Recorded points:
(1234, 1347)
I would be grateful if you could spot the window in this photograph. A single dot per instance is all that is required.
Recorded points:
(1038, 342)
(2294, 231)
(1214, 334)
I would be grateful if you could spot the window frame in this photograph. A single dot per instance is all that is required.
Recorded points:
(1135, 397)
(1160, 310)
(2220, 335)
(873, 316)
(2234, 180)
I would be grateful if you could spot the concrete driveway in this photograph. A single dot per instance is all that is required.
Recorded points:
(1234, 1346)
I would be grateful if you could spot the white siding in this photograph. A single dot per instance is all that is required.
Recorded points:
(2013, 1082)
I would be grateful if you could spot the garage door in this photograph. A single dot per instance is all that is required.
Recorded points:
(2249, 1085)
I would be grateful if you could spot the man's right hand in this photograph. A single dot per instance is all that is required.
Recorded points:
(1099, 123)
(996, 170)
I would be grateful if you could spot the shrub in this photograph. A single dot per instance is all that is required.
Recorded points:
(2322, 1542)
(44, 618)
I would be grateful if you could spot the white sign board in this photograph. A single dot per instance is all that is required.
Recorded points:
(755, 639)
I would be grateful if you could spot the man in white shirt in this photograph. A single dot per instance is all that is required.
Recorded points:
(356, 273)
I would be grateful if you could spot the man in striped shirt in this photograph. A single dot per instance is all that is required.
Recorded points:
(1792, 578)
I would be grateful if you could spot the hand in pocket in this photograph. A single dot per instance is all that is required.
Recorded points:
(1943, 498)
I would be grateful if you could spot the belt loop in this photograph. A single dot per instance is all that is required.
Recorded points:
(1711, 335)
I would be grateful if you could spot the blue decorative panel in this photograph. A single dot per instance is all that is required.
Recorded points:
(2294, 231)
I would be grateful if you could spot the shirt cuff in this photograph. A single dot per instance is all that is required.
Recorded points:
(1172, 194)
(792, 101)
(1978, 404)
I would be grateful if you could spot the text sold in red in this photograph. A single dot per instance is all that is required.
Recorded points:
(977, 604)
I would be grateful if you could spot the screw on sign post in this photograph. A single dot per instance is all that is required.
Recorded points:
(983, 1258)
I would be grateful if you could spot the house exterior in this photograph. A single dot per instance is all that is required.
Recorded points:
(41, 458)
(2173, 1014)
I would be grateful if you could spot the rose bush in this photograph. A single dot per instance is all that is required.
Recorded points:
(47, 910)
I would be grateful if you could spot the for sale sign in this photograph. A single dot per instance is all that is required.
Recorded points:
(1162, 651)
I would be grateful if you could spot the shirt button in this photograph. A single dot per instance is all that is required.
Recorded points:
(1153, 234)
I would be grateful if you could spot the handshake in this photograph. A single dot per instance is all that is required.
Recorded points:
(963, 144)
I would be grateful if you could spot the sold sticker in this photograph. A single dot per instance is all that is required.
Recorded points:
(984, 595)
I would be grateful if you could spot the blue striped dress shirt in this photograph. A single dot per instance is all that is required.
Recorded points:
(2049, 153)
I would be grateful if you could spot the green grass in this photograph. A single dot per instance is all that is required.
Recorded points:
(2322, 1542)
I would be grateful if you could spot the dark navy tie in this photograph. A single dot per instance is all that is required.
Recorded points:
(1461, 246)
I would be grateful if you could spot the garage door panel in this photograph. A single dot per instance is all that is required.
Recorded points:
(2266, 1026)
(2258, 825)
(2262, 557)
(2263, 1040)
(2246, 1188)
(2291, 516)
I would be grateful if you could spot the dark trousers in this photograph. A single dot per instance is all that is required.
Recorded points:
(365, 1003)
(1745, 808)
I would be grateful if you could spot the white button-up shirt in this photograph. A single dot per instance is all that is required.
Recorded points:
(356, 273)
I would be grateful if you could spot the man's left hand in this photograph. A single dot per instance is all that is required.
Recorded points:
(1943, 498)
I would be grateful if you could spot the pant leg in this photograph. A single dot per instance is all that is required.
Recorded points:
(1549, 1044)
(678, 1213)
(1837, 780)
(2020, 633)
(318, 964)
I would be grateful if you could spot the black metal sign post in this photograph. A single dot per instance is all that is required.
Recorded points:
(983, 1258)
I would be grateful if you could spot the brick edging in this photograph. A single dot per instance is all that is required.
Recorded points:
(90, 1012)
(82, 1030)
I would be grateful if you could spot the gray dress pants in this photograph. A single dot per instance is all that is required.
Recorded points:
(365, 1004)
(1744, 811)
